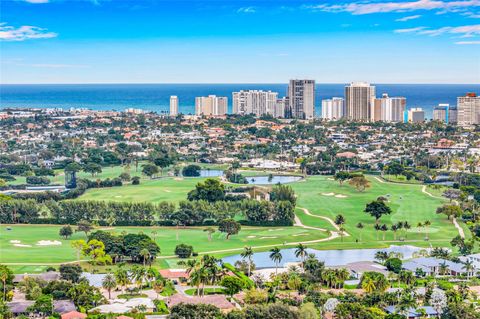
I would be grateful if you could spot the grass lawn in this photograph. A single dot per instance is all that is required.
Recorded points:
(166, 238)
(408, 203)
(206, 291)
(150, 190)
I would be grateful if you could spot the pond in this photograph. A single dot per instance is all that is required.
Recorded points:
(330, 257)
(272, 180)
(210, 173)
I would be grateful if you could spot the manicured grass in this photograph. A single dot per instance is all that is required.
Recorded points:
(408, 203)
(206, 291)
(150, 190)
(165, 237)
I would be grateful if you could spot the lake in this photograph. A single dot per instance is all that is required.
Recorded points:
(272, 180)
(335, 257)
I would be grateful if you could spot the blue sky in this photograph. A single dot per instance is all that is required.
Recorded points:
(233, 41)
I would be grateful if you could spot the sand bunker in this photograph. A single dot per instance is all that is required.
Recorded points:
(268, 237)
(275, 229)
(178, 179)
(340, 196)
(48, 243)
(15, 241)
(167, 191)
(21, 245)
(328, 194)
(331, 179)
(251, 236)
(299, 235)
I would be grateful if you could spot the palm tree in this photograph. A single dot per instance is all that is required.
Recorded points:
(426, 224)
(158, 286)
(154, 234)
(301, 252)
(384, 229)
(394, 228)
(139, 274)
(276, 257)
(407, 227)
(210, 231)
(360, 227)
(342, 275)
(468, 266)
(368, 285)
(247, 253)
(109, 283)
(198, 276)
(443, 268)
(122, 278)
(145, 254)
(419, 226)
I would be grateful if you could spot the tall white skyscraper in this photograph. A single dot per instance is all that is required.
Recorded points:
(173, 105)
(359, 102)
(468, 109)
(211, 105)
(333, 109)
(388, 109)
(301, 94)
(254, 102)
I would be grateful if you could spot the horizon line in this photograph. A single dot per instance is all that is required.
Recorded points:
(224, 83)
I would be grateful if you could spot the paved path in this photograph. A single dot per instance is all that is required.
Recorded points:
(459, 228)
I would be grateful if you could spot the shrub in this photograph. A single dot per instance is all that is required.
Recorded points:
(183, 251)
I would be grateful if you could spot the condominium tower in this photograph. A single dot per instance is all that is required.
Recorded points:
(333, 109)
(445, 113)
(211, 105)
(359, 98)
(388, 109)
(173, 105)
(301, 95)
(468, 108)
(254, 102)
(415, 115)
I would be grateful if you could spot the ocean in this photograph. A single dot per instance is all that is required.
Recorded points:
(156, 97)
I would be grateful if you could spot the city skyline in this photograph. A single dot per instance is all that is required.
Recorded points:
(421, 41)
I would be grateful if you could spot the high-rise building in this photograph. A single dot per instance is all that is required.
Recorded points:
(254, 102)
(445, 113)
(388, 109)
(301, 95)
(281, 107)
(415, 115)
(359, 101)
(173, 105)
(333, 109)
(211, 105)
(468, 108)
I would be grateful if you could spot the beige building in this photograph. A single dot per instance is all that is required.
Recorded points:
(301, 96)
(211, 105)
(281, 106)
(173, 105)
(256, 102)
(333, 109)
(416, 115)
(388, 109)
(468, 109)
(359, 101)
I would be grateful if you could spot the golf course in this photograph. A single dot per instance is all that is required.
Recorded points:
(320, 200)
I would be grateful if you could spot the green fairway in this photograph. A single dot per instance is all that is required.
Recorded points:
(19, 245)
(162, 189)
(323, 196)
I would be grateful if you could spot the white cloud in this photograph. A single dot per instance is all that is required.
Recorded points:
(408, 18)
(467, 42)
(403, 6)
(37, 1)
(409, 30)
(247, 10)
(466, 31)
(25, 32)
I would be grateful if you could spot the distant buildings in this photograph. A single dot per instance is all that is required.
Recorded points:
(301, 95)
(333, 109)
(388, 109)
(173, 105)
(256, 102)
(468, 108)
(445, 113)
(281, 106)
(211, 105)
(359, 98)
(415, 115)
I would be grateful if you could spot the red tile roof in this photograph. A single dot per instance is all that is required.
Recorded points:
(74, 315)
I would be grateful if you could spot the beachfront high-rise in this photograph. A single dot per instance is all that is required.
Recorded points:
(333, 109)
(173, 105)
(280, 107)
(388, 109)
(359, 98)
(445, 113)
(468, 108)
(301, 95)
(256, 102)
(415, 115)
(211, 105)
